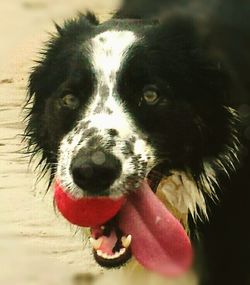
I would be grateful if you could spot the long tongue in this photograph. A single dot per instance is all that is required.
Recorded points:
(159, 241)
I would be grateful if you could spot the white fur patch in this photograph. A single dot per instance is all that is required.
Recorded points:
(182, 193)
(109, 49)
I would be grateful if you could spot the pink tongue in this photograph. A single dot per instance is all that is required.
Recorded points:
(159, 241)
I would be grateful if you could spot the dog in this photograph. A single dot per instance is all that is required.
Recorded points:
(158, 92)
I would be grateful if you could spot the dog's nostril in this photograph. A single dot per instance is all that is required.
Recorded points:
(95, 172)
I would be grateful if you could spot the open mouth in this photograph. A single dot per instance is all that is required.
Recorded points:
(141, 226)
(111, 247)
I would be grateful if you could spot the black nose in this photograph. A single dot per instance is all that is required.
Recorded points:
(95, 172)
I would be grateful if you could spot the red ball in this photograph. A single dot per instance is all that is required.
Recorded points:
(86, 212)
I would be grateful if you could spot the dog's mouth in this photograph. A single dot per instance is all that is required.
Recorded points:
(142, 227)
(146, 229)
(111, 246)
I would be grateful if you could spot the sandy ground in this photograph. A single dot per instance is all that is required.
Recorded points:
(36, 246)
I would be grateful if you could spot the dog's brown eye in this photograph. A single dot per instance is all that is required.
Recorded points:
(70, 101)
(150, 95)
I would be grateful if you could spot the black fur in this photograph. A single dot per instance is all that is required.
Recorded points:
(197, 56)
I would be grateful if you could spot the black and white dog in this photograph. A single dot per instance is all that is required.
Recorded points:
(165, 98)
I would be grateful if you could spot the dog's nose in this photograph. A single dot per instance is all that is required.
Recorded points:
(95, 172)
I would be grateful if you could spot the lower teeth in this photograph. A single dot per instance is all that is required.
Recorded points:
(116, 255)
(96, 243)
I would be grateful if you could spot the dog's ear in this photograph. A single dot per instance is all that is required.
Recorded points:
(55, 52)
(83, 21)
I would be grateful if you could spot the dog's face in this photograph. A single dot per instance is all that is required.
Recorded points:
(105, 153)
(122, 101)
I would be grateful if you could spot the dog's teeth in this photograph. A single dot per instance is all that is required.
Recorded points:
(96, 243)
(113, 256)
(107, 256)
(99, 252)
(126, 241)
(117, 254)
(104, 255)
(102, 228)
(122, 251)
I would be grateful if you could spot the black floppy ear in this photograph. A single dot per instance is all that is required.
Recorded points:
(44, 77)
(91, 17)
(86, 19)
(56, 49)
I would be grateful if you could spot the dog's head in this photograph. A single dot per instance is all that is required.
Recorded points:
(122, 101)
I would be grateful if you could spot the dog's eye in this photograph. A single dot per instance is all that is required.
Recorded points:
(150, 95)
(70, 101)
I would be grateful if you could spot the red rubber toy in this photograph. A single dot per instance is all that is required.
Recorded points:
(86, 212)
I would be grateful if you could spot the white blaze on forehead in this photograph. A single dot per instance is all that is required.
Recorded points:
(108, 52)
(109, 49)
